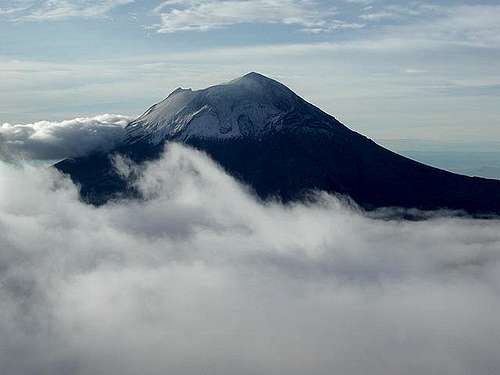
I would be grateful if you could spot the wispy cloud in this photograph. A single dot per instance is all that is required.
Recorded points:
(474, 24)
(203, 15)
(378, 16)
(461, 24)
(415, 71)
(11, 11)
(51, 10)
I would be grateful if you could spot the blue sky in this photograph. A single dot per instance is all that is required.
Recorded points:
(389, 69)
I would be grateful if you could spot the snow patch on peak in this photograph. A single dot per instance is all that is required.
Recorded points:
(256, 80)
(178, 90)
(252, 76)
(248, 106)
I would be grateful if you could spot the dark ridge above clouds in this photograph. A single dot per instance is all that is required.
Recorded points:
(283, 148)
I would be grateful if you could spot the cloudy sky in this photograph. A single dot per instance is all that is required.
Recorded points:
(390, 69)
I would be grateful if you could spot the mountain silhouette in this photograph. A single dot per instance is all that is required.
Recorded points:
(283, 147)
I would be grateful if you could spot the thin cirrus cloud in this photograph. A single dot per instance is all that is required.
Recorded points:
(204, 15)
(378, 16)
(201, 277)
(10, 11)
(52, 10)
(466, 25)
(477, 25)
(49, 140)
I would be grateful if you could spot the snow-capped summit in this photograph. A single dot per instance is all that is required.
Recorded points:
(281, 146)
(251, 105)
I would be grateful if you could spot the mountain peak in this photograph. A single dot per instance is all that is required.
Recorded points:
(254, 76)
(251, 105)
(177, 91)
(257, 80)
(282, 146)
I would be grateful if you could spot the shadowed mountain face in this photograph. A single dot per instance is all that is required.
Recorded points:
(281, 146)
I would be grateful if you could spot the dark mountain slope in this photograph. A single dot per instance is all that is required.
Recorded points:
(282, 146)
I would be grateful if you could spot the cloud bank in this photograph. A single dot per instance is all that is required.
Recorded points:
(201, 277)
(204, 15)
(46, 140)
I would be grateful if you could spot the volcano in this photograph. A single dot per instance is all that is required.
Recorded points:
(283, 148)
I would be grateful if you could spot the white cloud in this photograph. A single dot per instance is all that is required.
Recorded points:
(477, 24)
(50, 10)
(362, 2)
(202, 278)
(466, 25)
(203, 15)
(10, 11)
(48, 140)
(415, 71)
(378, 16)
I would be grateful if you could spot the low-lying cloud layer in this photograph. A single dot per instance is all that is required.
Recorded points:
(203, 278)
(46, 140)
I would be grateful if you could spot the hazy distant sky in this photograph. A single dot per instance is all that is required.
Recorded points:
(390, 69)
